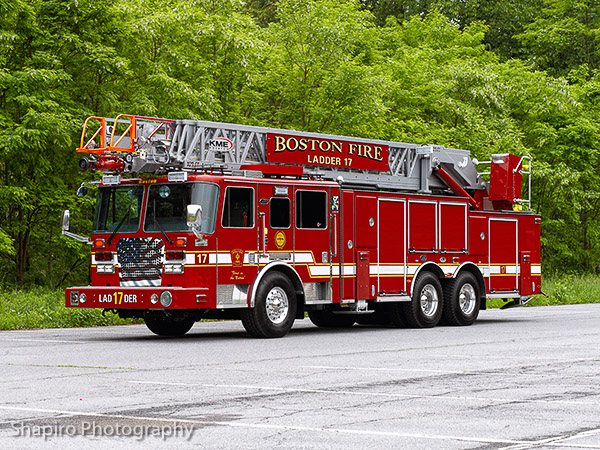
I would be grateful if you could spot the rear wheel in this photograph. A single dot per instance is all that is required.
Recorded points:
(461, 299)
(327, 319)
(425, 307)
(168, 324)
(274, 311)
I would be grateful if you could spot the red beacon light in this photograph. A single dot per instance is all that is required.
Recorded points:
(99, 243)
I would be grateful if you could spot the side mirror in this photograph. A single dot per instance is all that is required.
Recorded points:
(194, 218)
(64, 224)
(194, 215)
(82, 191)
(64, 220)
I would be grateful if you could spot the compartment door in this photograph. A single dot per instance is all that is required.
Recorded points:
(526, 283)
(391, 248)
(453, 227)
(366, 243)
(503, 245)
(422, 226)
(363, 284)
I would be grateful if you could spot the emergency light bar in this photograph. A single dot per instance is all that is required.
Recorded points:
(109, 180)
(177, 176)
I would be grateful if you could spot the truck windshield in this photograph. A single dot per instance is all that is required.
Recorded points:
(167, 204)
(119, 208)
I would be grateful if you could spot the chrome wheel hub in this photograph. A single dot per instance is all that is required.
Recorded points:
(429, 300)
(277, 305)
(467, 299)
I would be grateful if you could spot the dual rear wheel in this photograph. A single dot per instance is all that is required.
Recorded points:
(461, 299)
(456, 303)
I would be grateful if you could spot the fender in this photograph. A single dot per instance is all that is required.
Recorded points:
(466, 263)
(435, 269)
(479, 275)
(288, 270)
(440, 272)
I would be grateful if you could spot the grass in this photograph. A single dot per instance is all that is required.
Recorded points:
(45, 308)
(564, 290)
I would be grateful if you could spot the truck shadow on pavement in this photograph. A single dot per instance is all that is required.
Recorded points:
(209, 333)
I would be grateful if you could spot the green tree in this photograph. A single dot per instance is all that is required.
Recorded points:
(44, 62)
(504, 18)
(426, 72)
(318, 74)
(188, 59)
(564, 37)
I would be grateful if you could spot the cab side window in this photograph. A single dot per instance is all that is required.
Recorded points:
(279, 213)
(311, 209)
(238, 210)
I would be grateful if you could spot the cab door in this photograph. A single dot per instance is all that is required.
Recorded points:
(237, 244)
(312, 240)
(275, 222)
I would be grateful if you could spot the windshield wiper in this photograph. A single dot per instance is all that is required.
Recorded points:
(125, 217)
(157, 223)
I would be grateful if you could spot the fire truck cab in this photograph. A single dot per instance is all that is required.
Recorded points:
(264, 225)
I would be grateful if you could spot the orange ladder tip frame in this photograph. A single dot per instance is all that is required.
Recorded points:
(92, 147)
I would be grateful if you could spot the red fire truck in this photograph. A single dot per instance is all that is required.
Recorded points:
(199, 219)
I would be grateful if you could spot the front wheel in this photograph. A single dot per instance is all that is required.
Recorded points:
(163, 324)
(274, 311)
(425, 307)
(461, 299)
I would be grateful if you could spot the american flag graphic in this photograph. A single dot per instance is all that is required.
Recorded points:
(140, 261)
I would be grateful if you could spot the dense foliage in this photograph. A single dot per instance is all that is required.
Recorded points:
(488, 76)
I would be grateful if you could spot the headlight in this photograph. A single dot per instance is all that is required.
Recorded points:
(82, 298)
(105, 268)
(166, 299)
(174, 268)
(154, 299)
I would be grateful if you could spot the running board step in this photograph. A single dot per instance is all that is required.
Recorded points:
(517, 302)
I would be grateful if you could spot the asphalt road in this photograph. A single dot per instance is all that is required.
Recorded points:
(526, 378)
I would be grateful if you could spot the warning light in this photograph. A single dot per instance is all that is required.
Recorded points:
(104, 256)
(99, 243)
(175, 255)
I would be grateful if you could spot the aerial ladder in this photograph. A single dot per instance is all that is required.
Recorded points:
(130, 144)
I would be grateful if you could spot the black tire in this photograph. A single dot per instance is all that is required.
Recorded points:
(274, 309)
(327, 319)
(171, 325)
(461, 300)
(426, 305)
(395, 315)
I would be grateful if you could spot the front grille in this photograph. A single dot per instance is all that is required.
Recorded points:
(140, 261)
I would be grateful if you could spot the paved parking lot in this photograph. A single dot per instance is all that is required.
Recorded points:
(526, 378)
